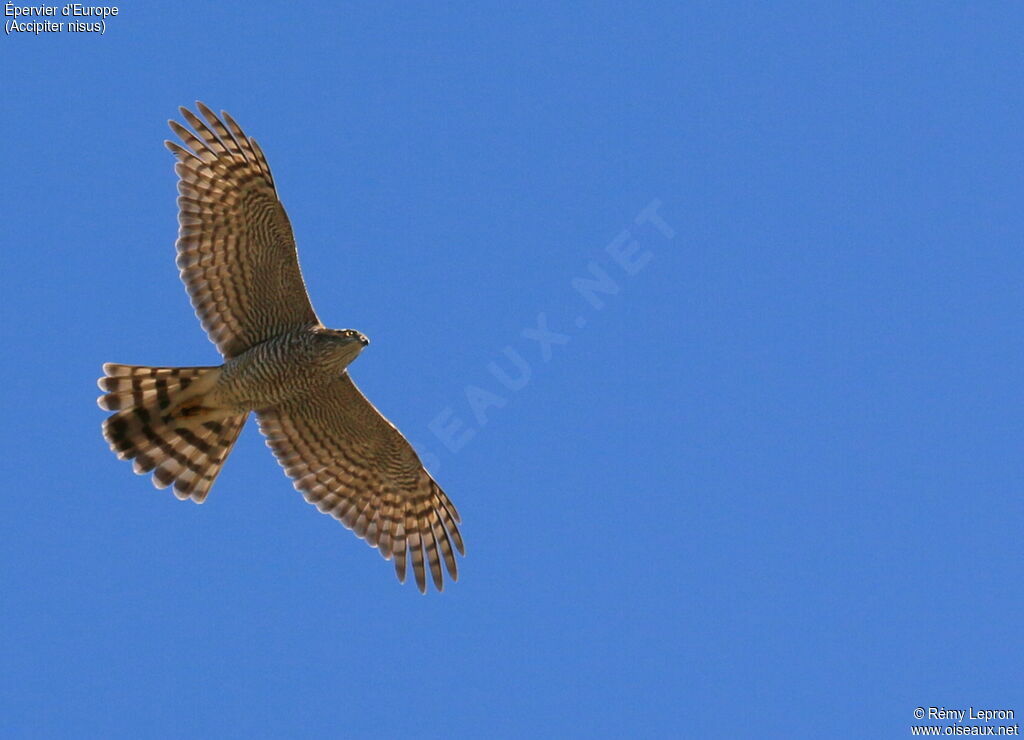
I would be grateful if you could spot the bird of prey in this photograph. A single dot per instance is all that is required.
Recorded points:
(237, 258)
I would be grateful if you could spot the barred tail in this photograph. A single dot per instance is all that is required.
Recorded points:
(162, 423)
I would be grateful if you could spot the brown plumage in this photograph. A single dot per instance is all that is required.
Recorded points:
(238, 261)
(187, 452)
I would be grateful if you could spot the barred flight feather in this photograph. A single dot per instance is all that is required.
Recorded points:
(233, 235)
(351, 463)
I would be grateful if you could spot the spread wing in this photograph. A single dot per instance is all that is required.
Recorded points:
(351, 462)
(235, 246)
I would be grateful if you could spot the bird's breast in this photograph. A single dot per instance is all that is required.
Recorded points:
(276, 370)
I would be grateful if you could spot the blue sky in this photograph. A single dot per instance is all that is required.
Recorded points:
(767, 484)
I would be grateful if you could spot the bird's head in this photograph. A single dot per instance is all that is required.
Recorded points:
(339, 347)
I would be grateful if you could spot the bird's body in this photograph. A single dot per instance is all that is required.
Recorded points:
(290, 365)
(237, 259)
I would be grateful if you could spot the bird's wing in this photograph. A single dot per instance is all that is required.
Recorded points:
(235, 246)
(351, 462)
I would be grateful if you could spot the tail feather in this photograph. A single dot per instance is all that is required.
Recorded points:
(162, 424)
(137, 385)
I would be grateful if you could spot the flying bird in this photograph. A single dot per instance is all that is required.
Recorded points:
(237, 258)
